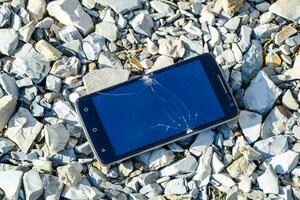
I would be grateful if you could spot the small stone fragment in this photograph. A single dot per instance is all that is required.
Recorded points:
(202, 142)
(6, 145)
(8, 83)
(7, 108)
(185, 165)
(265, 30)
(233, 23)
(92, 45)
(52, 187)
(162, 7)
(272, 60)
(101, 30)
(143, 24)
(66, 67)
(241, 166)
(120, 6)
(69, 33)
(245, 184)
(25, 32)
(70, 174)
(289, 10)
(53, 83)
(289, 101)
(245, 35)
(10, 183)
(176, 186)
(222, 182)
(268, 181)
(284, 34)
(36, 9)
(56, 137)
(285, 162)
(125, 168)
(47, 50)
(161, 62)
(160, 158)
(250, 124)
(8, 41)
(107, 59)
(33, 185)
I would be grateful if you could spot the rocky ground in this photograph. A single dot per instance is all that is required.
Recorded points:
(52, 52)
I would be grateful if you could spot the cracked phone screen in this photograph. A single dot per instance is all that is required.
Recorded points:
(157, 106)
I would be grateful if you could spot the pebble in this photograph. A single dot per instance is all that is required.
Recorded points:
(202, 142)
(107, 59)
(264, 30)
(66, 67)
(8, 41)
(82, 191)
(52, 187)
(25, 32)
(120, 6)
(143, 24)
(272, 60)
(6, 145)
(69, 33)
(263, 101)
(103, 78)
(23, 129)
(70, 174)
(7, 108)
(241, 167)
(171, 48)
(276, 122)
(47, 50)
(125, 168)
(233, 23)
(285, 162)
(289, 11)
(215, 36)
(289, 101)
(10, 183)
(92, 45)
(268, 181)
(245, 35)
(161, 62)
(216, 164)
(160, 158)
(229, 58)
(222, 181)
(8, 83)
(284, 34)
(65, 112)
(70, 12)
(162, 8)
(245, 184)
(53, 83)
(294, 72)
(36, 9)
(203, 172)
(56, 137)
(101, 30)
(5, 14)
(176, 186)
(250, 123)
(33, 185)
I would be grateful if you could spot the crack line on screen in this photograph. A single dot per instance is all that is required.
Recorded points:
(179, 114)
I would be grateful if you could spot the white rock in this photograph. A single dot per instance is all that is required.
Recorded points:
(172, 48)
(289, 10)
(268, 181)
(25, 32)
(160, 158)
(222, 182)
(108, 59)
(263, 100)
(66, 67)
(203, 172)
(276, 122)
(10, 183)
(294, 73)
(69, 33)
(92, 45)
(36, 9)
(233, 23)
(215, 36)
(245, 34)
(237, 53)
(82, 191)
(6, 145)
(70, 174)
(70, 12)
(285, 162)
(125, 168)
(262, 31)
(42, 165)
(216, 164)
(185, 165)
(7, 108)
(23, 129)
(250, 123)
(176, 186)
(65, 112)
(143, 24)
(53, 83)
(33, 185)
(120, 6)
(56, 137)
(151, 47)
(111, 35)
(8, 41)
(47, 50)
(289, 101)
(284, 34)
(103, 78)
(202, 142)
(245, 184)
(162, 7)
(161, 62)
(52, 187)
(229, 58)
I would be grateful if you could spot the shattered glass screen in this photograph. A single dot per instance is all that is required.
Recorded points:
(157, 106)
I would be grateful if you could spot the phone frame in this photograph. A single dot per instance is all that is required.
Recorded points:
(95, 131)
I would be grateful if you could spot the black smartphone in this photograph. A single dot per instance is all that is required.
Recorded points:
(156, 109)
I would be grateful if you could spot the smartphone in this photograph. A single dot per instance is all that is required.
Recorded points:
(156, 109)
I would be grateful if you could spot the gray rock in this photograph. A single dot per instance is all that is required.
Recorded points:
(289, 101)
(284, 34)
(204, 170)
(294, 73)
(151, 190)
(276, 122)
(56, 137)
(53, 83)
(120, 6)
(70, 12)
(160, 158)
(5, 14)
(111, 35)
(6, 145)
(285, 162)
(33, 185)
(10, 183)
(8, 41)
(52, 187)
(162, 8)
(171, 48)
(9, 85)
(185, 165)
(65, 112)
(233, 23)
(70, 174)
(125, 168)
(107, 59)
(250, 124)
(252, 61)
(202, 142)
(23, 129)
(103, 78)
(143, 24)
(289, 11)
(265, 30)
(7, 108)
(148, 178)
(25, 32)
(82, 191)
(84, 148)
(92, 45)
(268, 181)
(262, 101)
(272, 146)
(245, 34)
(69, 33)
(176, 186)
(65, 67)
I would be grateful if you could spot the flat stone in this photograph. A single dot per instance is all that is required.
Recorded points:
(107, 59)
(56, 137)
(120, 6)
(202, 142)
(289, 101)
(84, 148)
(216, 164)
(23, 129)
(289, 11)
(25, 32)
(262, 101)
(7, 108)
(285, 162)
(92, 45)
(8, 83)
(33, 184)
(276, 122)
(111, 35)
(47, 50)
(204, 170)
(70, 12)
(10, 183)
(185, 165)
(161, 62)
(82, 191)
(284, 34)
(52, 187)
(103, 78)
(264, 30)
(240, 167)
(215, 36)
(70, 174)
(268, 181)
(222, 182)
(6, 145)
(252, 61)
(233, 23)
(245, 35)
(36, 9)
(143, 24)
(176, 186)
(162, 7)
(250, 123)
(232, 6)
(160, 158)
(8, 41)
(66, 67)
(171, 48)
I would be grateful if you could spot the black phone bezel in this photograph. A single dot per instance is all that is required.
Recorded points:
(95, 132)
